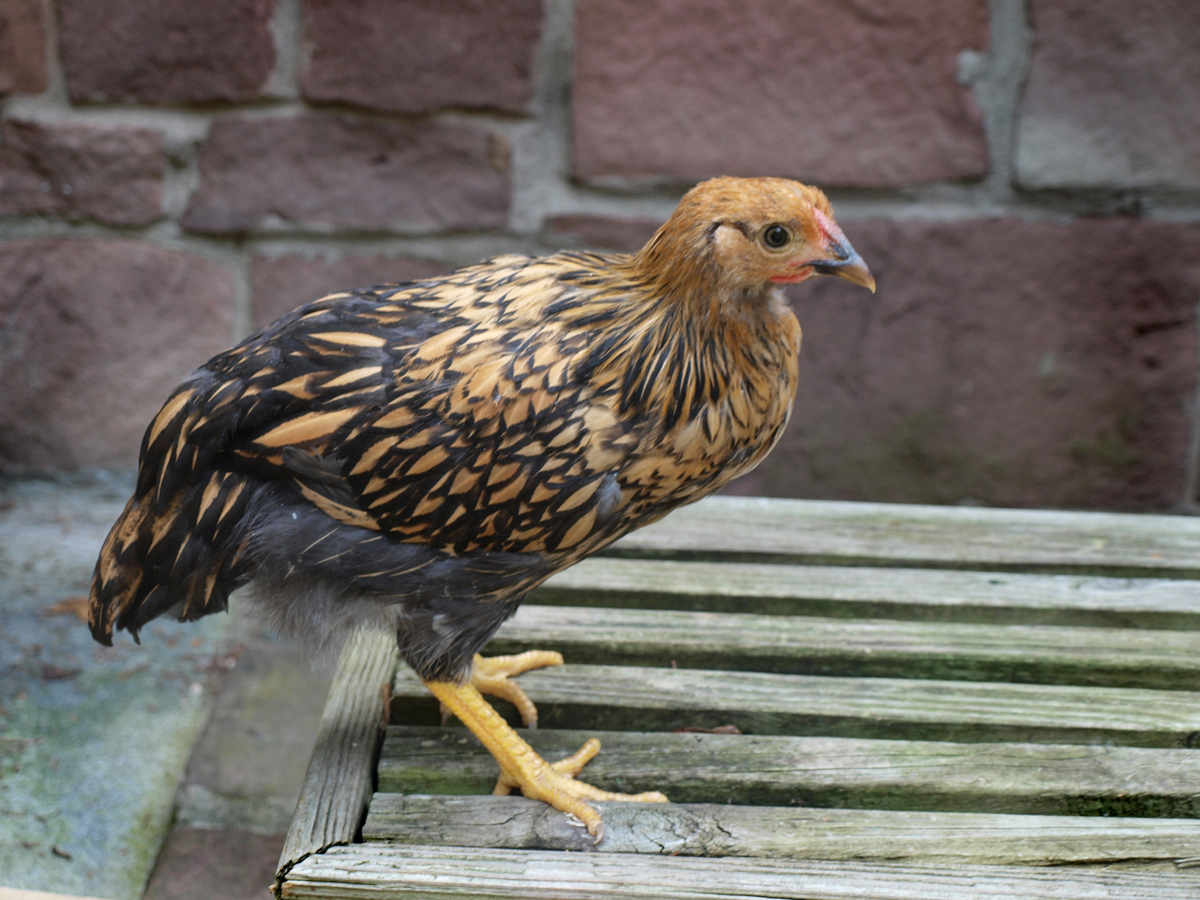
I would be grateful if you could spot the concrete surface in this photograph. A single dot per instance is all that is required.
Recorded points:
(96, 744)
(238, 794)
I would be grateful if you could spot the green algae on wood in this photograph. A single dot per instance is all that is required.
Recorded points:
(656, 699)
(769, 770)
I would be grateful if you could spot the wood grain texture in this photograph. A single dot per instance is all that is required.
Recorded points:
(1113, 657)
(868, 592)
(647, 699)
(340, 778)
(761, 770)
(715, 830)
(938, 703)
(380, 872)
(832, 533)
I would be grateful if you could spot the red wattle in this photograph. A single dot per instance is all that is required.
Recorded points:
(792, 279)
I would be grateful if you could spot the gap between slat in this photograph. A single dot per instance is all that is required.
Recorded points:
(876, 592)
(874, 648)
(632, 698)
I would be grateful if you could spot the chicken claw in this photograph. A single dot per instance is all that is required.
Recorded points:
(521, 766)
(492, 675)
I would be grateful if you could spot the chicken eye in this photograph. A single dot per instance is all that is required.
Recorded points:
(776, 236)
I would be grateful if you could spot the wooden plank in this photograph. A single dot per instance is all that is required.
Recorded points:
(340, 779)
(1046, 779)
(837, 533)
(634, 698)
(1113, 657)
(378, 872)
(709, 829)
(868, 592)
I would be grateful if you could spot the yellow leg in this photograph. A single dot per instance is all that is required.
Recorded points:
(493, 676)
(520, 765)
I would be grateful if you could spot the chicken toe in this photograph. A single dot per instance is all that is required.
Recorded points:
(493, 675)
(520, 765)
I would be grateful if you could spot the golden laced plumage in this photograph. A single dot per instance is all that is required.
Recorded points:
(421, 455)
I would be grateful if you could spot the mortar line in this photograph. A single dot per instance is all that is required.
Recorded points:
(287, 34)
(540, 168)
(56, 72)
(999, 89)
(243, 295)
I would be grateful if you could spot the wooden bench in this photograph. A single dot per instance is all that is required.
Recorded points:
(933, 703)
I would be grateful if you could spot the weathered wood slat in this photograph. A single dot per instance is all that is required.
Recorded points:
(337, 787)
(868, 592)
(1046, 779)
(708, 829)
(837, 533)
(942, 686)
(632, 698)
(1113, 657)
(378, 872)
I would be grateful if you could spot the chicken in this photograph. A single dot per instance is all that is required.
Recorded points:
(419, 456)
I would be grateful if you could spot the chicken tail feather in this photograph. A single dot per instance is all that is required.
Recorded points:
(183, 559)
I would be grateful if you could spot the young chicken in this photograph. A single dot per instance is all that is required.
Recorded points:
(419, 456)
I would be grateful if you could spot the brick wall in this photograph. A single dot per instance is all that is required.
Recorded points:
(1023, 176)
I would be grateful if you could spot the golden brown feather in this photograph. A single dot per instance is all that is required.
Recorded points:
(421, 455)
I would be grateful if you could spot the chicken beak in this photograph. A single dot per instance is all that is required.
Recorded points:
(845, 264)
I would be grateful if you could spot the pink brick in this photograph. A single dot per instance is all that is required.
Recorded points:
(413, 56)
(166, 51)
(281, 284)
(1017, 363)
(22, 47)
(359, 173)
(1113, 95)
(96, 334)
(600, 232)
(112, 175)
(855, 94)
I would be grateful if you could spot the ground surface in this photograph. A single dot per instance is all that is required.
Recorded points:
(199, 737)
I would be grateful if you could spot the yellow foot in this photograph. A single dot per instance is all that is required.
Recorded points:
(493, 676)
(520, 765)
(554, 783)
